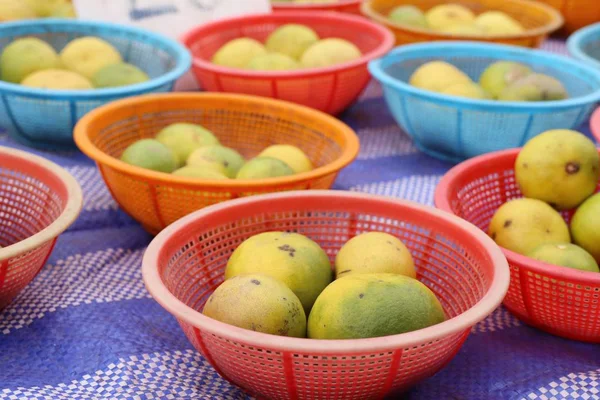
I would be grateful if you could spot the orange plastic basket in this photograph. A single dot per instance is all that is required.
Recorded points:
(246, 123)
(558, 300)
(329, 89)
(347, 6)
(38, 201)
(466, 270)
(577, 13)
(538, 19)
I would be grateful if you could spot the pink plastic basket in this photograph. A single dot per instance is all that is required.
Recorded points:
(38, 201)
(329, 89)
(466, 270)
(558, 300)
(347, 6)
(595, 124)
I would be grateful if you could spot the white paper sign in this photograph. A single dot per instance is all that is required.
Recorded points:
(168, 17)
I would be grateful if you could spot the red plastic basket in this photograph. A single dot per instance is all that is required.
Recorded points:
(558, 300)
(347, 6)
(464, 267)
(329, 89)
(38, 201)
(595, 124)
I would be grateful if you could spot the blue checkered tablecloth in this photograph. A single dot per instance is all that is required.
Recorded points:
(86, 328)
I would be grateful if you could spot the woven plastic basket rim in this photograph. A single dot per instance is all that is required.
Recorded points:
(349, 152)
(576, 40)
(442, 201)
(490, 301)
(595, 124)
(310, 6)
(455, 48)
(556, 22)
(387, 43)
(183, 62)
(64, 220)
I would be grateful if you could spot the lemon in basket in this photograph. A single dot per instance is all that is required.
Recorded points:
(183, 138)
(238, 53)
(44, 8)
(291, 155)
(437, 76)
(534, 87)
(15, 9)
(498, 23)
(200, 172)
(88, 55)
(228, 159)
(26, 56)
(120, 74)
(57, 79)
(65, 10)
(467, 89)
(522, 225)
(585, 226)
(408, 15)
(373, 305)
(150, 154)
(497, 76)
(264, 167)
(292, 258)
(259, 303)
(273, 62)
(560, 167)
(292, 40)
(328, 52)
(565, 255)
(445, 15)
(466, 30)
(374, 252)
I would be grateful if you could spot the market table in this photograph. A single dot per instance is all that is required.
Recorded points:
(86, 328)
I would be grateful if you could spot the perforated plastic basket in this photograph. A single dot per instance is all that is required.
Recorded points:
(466, 270)
(45, 118)
(585, 44)
(246, 123)
(347, 6)
(595, 125)
(455, 128)
(558, 300)
(539, 20)
(577, 13)
(38, 201)
(329, 89)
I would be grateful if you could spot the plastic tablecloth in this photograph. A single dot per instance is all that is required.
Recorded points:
(86, 328)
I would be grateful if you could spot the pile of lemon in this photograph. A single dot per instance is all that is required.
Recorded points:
(190, 150)
(282, 283)
(457, 19)
(289, 47)
(85, 63)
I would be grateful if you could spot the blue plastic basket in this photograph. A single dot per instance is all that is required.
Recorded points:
(585, 45)
(45, 118)
(454, 128)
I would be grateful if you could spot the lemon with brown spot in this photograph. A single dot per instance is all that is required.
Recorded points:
(292, 258)
(373, 305)
(522, 225)
(374, 252)
(259, 303)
